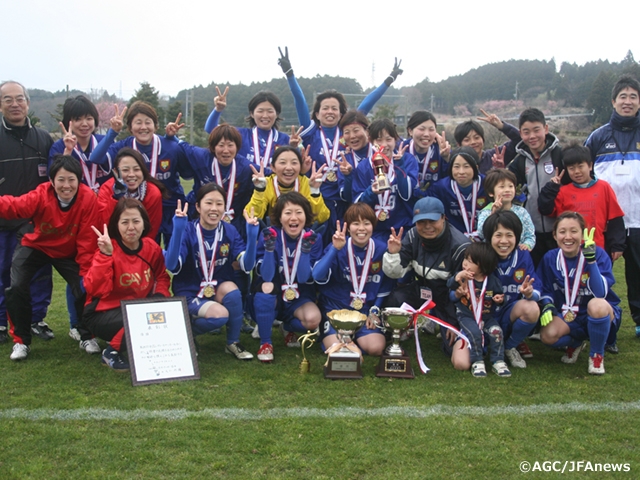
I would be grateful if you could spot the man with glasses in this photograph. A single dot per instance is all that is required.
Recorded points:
(24, 150)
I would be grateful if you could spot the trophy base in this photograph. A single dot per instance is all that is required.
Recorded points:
(395, 367)
(343, 366)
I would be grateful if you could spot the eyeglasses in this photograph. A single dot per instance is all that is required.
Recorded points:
(10, 100)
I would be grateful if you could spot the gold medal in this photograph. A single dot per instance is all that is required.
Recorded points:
(226, 218)
(290, 294)
(569, 316)
(209, 291)
(383, 216)
(331, 176)
(357, 304)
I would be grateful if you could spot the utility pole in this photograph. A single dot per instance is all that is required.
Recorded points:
(191, 118)
(515, 95)
(431, 103)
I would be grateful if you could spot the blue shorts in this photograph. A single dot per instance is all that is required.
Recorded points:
(504, 319)
(285, 310)
(578, 329)
(195, 304)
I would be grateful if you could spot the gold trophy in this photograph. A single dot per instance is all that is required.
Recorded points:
(306, 341)
(379, 163)
(345, 358)
(394, 363)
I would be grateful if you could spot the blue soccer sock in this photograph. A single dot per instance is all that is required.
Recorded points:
(519, 331)
(201, 325)
(294, 325)
(598, 329)
(232, 301)
(264, 310)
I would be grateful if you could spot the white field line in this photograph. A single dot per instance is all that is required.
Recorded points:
(279, 413)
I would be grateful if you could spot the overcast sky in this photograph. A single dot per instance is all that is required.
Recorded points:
(117, 44)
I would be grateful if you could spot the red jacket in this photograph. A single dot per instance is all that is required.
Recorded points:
(57, 233)
(123, 276)
(152, 203)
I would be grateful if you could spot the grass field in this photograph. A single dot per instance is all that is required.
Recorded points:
(64, 415)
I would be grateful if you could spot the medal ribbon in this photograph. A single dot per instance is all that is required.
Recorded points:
(358, 285)
(155, 153)
(296, 185)
(207, 273)
(90, 177)
(469, 223)
(477, 303)
(290, 275)
(330, 156)
(258, 160)
(215, 169)
(570, 295)
(427, 159)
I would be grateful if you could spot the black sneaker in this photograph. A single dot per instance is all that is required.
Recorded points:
(613, 348)
(112, 359)
(4, 335)
(42, 330)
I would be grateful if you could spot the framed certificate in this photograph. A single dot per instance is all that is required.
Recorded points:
(159, 340)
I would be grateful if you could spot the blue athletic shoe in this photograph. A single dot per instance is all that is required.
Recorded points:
(112, 359)
(637, 330)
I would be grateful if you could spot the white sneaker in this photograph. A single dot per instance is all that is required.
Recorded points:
(478, 369)
(255, 333)
(90, 346)
(500, 368)
(571, 354)
(75, 334)
(238, 351)
(596, 365)
(20, 352)
(513, 355)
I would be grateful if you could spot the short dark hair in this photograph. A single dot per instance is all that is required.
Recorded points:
(463, 129)
(226, 132)
(123, 204)
(569, 216)
(507, 219)
(264, 96)
(483, 256)
(208, 188)
(67, 162)
(532, 115)
(625, 81)
(285, 148)
(497, 175)
(469, 155)
(137, 156)
(76, 107)
(360, 210)
(383, 125)
(296, 199)
(354, 116)
(141, 108)
(325, 95)
(420, 117)
(574, 153)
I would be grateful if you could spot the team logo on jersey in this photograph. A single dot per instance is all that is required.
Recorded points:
(518, 275)
(224, 249)
(433, 166)
(612, 145)
(548, 168)
(584, 278)
(165, 164)
(481, 202)
(375, 267)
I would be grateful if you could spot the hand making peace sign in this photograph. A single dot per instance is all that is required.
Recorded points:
(68, 138)
(104, 241)
(117, 121)
(220, 101)
(174, 127)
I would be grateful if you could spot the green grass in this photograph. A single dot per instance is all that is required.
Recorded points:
(457, 442)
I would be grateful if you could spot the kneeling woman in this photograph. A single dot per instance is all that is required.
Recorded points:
(283, 285)
(200, 255)
(124, 250)
(352, 277)
(576, 291)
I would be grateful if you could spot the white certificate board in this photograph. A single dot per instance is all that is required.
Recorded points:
(159, 340)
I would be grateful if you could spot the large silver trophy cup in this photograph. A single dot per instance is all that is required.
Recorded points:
(395, 363)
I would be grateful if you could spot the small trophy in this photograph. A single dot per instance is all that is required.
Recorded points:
(379, 163)
(344, 359)
(394, 363)
(306, 341)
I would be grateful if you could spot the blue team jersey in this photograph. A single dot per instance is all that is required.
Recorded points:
(443, 190)
(306, 288)
(312, 136)
(400, 211)
(436, 168)
(102, 172)
(335, 293)
(549, 273)
(172, 164)
(247, 149)
(512, 271)
(187, 277)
